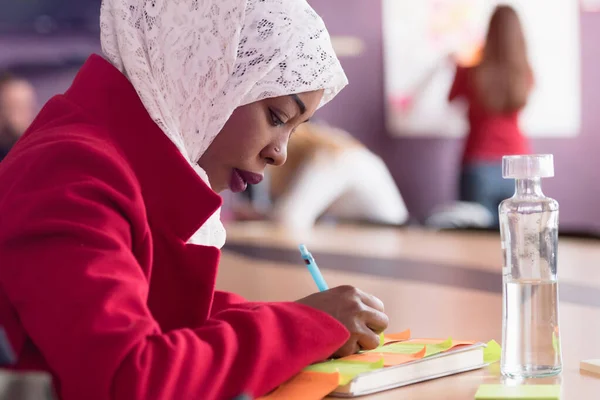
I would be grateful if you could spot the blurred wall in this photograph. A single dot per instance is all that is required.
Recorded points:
(426, 170)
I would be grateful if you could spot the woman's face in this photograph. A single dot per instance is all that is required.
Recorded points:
(17, 106)
(255, 135)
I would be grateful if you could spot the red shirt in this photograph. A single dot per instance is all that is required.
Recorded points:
(97, 283)
(491, 135)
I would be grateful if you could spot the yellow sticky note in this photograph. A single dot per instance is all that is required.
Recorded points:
(413, 347)
(592, 366)
(348, 370)
(555, 340)
(307, 385)
(520, 392)
(492, 352)
(438, 341)
(381, 339)
(389, 359)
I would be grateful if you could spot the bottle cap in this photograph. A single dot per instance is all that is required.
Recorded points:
(528, 166)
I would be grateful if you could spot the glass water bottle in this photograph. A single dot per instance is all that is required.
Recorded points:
(529, 234)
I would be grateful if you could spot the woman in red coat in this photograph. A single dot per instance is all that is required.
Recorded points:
(110, 231)
(496, 90)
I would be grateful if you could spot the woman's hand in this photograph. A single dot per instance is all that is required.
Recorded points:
(361, 313)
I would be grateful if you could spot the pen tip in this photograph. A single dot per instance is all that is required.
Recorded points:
(302, 248)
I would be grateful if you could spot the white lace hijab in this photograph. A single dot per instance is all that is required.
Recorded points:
(193, 62)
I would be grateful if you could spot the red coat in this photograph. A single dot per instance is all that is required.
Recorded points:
(97, 283)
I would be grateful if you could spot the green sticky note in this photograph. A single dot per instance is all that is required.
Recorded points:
(555, 342)
(348, 369)
(521, 392)
(492, 352)
(412, 348)
(381, 339)
(438, 348)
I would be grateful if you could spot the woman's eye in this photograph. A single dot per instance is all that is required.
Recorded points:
(275, 120)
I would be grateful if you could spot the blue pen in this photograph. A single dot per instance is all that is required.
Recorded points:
(313, 268)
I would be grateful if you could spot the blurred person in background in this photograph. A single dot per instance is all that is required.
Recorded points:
(17, 110)
(327, 173)
(496, 90)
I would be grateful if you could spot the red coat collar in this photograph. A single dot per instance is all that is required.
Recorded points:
(175, 196)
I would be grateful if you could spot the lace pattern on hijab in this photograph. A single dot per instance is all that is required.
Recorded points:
(193, 62)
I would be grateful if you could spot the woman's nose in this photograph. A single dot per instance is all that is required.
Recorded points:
(275, 153)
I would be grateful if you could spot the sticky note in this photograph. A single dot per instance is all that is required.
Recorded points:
(411, 347)
(389, 359)
(307, 385)
(555, 340)
(397, 337)
(438, 341)
(592, 366)
(521, 392)
(348, 370)
(492, 352)
(381, 339)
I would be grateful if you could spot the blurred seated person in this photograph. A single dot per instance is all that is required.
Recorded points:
(327, 173)
(496, 90)
(17, 110)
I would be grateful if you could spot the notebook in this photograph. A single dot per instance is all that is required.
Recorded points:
(397, 361)
(454, 361)
(591, 366)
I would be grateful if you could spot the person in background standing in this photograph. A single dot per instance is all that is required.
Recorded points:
(496, 90)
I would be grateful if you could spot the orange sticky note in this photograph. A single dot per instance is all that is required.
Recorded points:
(307, 385)
(389, 359)
(397, 337)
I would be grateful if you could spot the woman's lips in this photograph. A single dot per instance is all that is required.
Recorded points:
(240, 179)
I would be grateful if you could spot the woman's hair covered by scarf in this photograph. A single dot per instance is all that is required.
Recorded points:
(193, 62)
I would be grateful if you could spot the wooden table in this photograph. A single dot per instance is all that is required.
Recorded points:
(403, 267)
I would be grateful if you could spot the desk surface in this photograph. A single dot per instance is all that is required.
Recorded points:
(402, 267)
